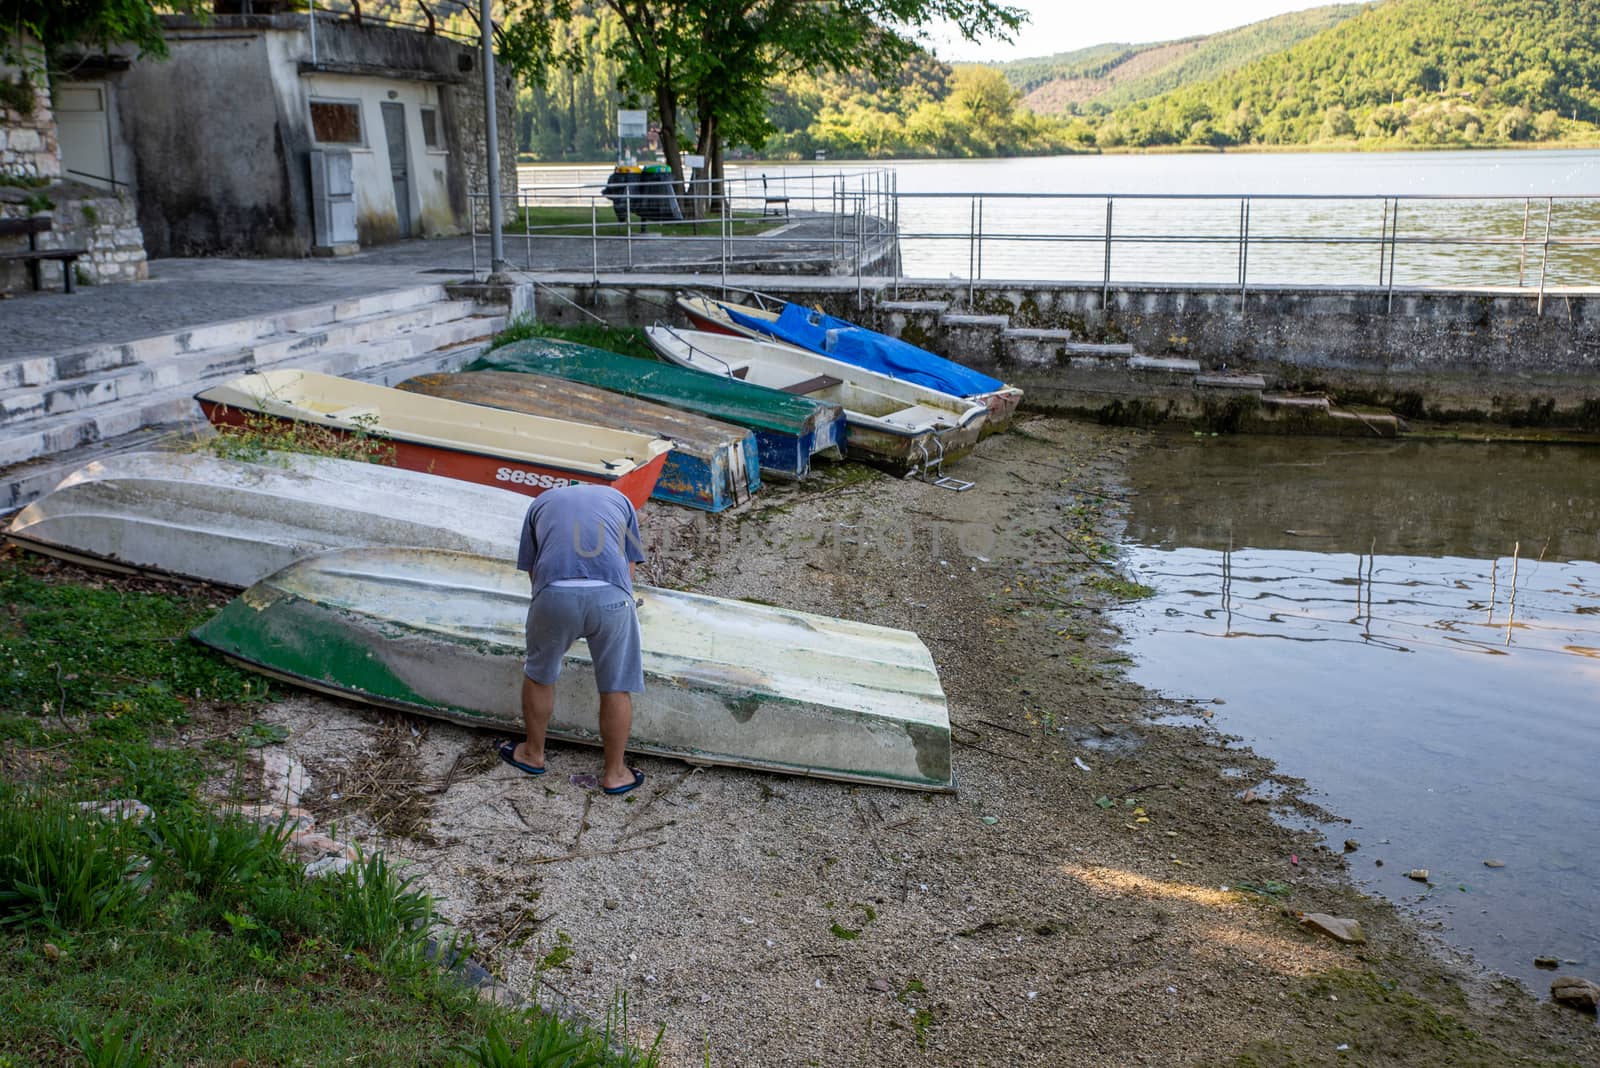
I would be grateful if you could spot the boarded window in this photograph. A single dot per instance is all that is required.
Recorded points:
(430, 127)
(336, 122)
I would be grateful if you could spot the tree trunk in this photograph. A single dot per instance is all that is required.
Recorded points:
(667, 106)
(709, 146)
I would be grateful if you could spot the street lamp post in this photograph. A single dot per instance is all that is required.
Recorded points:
(497, 257)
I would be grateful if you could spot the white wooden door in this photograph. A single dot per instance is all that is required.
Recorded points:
(85, 133)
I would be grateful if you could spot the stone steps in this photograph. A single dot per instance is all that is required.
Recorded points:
(233, 334)
(59, 411)
(158, 371)
(44, 435)
(183, 423)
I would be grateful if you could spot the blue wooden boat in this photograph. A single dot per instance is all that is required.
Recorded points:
(712, 466)
(837, 339)
(790, 430)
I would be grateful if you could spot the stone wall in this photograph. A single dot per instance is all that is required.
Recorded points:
(28, 145)
(105, 224)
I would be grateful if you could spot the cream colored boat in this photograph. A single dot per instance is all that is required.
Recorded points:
(490, 446)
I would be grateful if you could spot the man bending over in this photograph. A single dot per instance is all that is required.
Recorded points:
(579, 546)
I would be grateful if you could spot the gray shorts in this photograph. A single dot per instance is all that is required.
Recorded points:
(604, 617)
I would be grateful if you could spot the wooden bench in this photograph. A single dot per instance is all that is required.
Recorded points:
(32, 227)
(773, 205)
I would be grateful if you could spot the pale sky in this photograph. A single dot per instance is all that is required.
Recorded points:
(1065, 25)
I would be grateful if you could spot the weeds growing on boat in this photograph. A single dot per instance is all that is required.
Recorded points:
(626, 340)
(263, 435)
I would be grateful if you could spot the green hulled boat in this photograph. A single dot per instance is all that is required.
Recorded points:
(789, 430)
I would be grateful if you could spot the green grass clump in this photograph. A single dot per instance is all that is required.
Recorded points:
(624, 340)
(190, 938)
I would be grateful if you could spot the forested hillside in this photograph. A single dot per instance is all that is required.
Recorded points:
(1419, 72)
(1108, 76)
(1402, 73)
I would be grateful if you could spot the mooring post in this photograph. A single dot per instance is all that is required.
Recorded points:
(1544, 255)
(1105, 280)
(1244, 250)
(1394, 241)
(1383, 238)
(1522, 249)
(972, 230)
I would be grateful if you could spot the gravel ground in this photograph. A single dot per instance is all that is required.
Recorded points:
(762, 920)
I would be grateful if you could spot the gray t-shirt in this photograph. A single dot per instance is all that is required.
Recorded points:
(585, 531)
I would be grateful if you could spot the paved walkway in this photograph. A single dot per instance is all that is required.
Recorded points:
(183, 293)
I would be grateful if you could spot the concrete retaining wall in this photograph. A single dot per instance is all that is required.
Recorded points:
(1442, 355)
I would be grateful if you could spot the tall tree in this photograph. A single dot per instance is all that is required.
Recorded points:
(717, 56)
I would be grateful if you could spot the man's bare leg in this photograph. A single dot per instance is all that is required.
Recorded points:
(538, 703)
(616, 720)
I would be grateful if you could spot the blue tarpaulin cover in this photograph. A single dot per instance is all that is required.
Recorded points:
(841, 340)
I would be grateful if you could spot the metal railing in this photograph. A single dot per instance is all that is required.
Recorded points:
(856, 222)
(1189, 239)
(846, 219)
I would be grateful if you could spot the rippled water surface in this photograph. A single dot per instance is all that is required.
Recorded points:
(1414, 629)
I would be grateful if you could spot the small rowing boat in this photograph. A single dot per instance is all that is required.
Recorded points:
(789, 431)
(489, 446)
(839, 339)
(712, 465)
(906, 428)
(442, 635)
(196, 516)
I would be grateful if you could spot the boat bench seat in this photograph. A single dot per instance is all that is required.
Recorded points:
(811, 385)
(920, 415)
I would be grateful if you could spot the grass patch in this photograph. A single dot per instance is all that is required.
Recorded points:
(190, 938)
(624, 340)
(577, 222)
(1119, 587)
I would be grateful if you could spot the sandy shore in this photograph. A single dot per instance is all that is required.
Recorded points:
(764, 920)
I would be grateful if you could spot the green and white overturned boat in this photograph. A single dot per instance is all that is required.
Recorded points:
(441, 634)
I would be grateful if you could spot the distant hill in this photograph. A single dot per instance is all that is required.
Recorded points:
(1421, 72)
(1107, 76)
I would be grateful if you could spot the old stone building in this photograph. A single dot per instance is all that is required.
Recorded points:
(34, 182)
(266, 134)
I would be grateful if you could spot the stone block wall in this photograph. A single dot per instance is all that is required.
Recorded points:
(472, 122)
(28, 144)
(105, 224)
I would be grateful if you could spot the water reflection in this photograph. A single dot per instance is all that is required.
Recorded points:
(1414, 629)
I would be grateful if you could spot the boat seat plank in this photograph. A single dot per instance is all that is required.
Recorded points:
(811, 385)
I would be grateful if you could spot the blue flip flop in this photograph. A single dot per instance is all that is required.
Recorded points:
(508, 753)
(638, 781)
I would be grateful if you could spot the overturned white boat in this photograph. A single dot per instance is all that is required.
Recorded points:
(442, 634)
(197, 516)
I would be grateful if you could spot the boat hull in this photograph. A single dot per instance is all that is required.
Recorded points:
(789, 432)
(442, 635)
(899, 426)
(713, 316)
(712, 466)
(484, 469)
(200, 517)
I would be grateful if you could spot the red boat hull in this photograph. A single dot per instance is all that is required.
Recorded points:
(483, 468)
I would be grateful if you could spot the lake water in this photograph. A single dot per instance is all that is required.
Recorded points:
(1324, 242)
(1415, 630)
